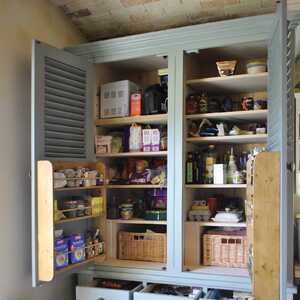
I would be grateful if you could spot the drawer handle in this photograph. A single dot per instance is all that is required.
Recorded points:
(100, 299)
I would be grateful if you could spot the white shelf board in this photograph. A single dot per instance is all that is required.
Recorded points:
(122, 263)
(218, 224)
(146, 119)
(237, 139)
(133, 154)
(135, 186)
(244, 83)
(216, 186)
(240, 272)
(136, 221)
(232, 116)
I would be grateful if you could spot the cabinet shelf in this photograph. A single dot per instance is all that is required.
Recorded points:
(99, 258)
(218, 224)
(136, 264)
(136, 221)
(237, 139)
(95, 187)
(133, 154)
(76, 219)
(216, 186)
(147, 119)
(244, 83)
(135, 186)
(232, 116)
(240, 272)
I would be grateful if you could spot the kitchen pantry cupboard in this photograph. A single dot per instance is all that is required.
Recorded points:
(65, 120)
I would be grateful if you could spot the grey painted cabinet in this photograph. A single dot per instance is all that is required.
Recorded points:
(64, 108)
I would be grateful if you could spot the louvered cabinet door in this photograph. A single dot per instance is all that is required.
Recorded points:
(61, 129)
(281, 133)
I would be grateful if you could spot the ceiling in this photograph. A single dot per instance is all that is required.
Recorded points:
(102, 19)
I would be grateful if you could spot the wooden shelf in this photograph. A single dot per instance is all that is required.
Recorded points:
(218, 224)
(137, 221)
(74, 209)
(133, 154)
(244, 83)
(81, 264)
(96, 187)
(147, 119)
(216, 186)
(121, 263)
(76, 219)
(236, 139)
(135, 186)
(240, 272)
(232, 116)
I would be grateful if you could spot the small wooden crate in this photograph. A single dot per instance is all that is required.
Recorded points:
(225, 250)
(143, 246)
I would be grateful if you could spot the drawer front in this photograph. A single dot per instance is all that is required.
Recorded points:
(146, 295)
(92, 293)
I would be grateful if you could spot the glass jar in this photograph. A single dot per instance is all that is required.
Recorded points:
(126, 211)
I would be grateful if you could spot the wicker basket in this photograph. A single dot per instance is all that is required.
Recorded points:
(143, 246)
(225, 250)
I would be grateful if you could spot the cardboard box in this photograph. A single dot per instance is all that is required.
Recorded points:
(155, 140)
(147, 136)
(115, 98)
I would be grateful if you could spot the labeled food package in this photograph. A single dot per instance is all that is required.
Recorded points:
(147, 137)
(155, 140)
(135, 138)
(61, 253)
(97, 205)
(219, 173)
(136, 104)
(77, 248)
(103, 144)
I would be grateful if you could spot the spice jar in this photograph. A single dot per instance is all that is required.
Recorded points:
(126, 211)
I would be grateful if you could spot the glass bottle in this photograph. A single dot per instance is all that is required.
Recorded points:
(203, 103)
(210, 160)
(189, 168)
(200, 166)
(196, 170)
(232, 168)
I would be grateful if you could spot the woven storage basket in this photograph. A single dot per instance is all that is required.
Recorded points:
(225, 250)
(143, 246)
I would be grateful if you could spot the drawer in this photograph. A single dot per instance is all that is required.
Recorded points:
(145, 294)
(100, 293)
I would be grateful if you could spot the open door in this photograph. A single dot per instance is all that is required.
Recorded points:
(281, 134)
(61, 129)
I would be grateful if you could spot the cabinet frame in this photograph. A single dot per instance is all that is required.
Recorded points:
(174, 43)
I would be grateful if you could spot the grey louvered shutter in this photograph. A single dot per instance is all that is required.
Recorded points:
(61, 105)
(281, 133)
(61, 129)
